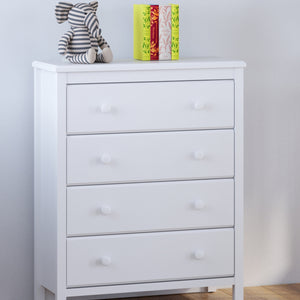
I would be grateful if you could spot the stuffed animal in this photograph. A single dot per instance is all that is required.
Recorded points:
(80, 44)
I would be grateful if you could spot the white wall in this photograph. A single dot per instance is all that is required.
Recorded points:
(263, 33)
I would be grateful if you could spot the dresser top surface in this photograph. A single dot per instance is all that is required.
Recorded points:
(134, 65)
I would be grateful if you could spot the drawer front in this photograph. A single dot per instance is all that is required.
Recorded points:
(150, 207)
(149, 257)
(149, 156)
(135, 107)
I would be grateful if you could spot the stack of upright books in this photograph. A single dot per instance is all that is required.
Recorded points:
(156, 32)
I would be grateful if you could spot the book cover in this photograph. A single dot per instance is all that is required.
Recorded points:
(175, 31)
(154, 25)
(141, 31)
(165, 32)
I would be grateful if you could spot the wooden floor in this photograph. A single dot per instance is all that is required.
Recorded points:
(274, 292)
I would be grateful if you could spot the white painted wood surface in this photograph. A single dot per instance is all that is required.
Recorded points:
(132, 258)
(239, 185)
(155, 288)
(142, 157)
(125, 208)
(71, 145)
(132, 65)
(45, 187)
(149, 75)
(132, 107)
(50, 184)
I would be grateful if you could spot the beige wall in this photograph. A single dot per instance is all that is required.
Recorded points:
(263, 33)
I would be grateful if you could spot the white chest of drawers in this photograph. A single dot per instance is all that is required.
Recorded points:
(138, 178)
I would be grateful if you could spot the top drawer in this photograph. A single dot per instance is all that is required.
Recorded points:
(134, 107)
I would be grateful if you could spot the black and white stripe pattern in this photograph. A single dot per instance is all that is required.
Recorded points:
(62, 10)
(76, 17)
(100, 58)
(64, 41)
(81, 41)
(78, 59)
(85, 33)
(102, 43)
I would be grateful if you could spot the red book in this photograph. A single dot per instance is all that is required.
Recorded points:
(154, 29)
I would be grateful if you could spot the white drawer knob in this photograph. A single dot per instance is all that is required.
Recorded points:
(199, 204)
(105, 210)
(105, 261)
(198, 155)
(199, 105)
(198, 254)
(105, 158)
(105, 108)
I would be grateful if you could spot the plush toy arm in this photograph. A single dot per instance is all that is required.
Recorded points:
(106, 56)
(102, 43)
(64, 41)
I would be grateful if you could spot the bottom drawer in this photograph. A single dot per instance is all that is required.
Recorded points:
(128, 258)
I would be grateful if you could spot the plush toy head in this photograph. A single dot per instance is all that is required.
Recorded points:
(79, 15)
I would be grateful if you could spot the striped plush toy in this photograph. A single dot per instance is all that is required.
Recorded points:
(80, 44)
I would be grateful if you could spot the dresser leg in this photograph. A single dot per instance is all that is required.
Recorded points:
(39, 292)
(57, 298)
(210, 289)
(50, 296)
(238, 292)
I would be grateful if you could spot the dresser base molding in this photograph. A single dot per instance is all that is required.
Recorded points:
(143, 294)
(142, 289)
(149, 287)
(51, 296)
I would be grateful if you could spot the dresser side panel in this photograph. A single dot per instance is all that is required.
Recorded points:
(61, 149)
(47, 165)
(239, 183)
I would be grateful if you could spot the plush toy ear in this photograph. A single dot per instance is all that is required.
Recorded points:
(62, 11)
(94, 5)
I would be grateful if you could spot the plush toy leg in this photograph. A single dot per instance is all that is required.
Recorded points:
(86, 58)
(105, 56)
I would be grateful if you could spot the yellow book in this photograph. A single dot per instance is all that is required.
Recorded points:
(175, 31)
(141, 31)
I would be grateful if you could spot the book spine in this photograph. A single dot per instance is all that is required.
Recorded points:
(165, 32)
(175, 31)
(141, 32)
(154, 25)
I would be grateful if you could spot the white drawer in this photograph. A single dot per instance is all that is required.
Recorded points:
(128, 107)
(150, 207)
(115, 259)
(149, 156)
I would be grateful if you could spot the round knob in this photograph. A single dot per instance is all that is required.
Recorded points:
(199, 105)
(105, 210)
(105, 158)
(198, 254)
(199, 155)
(105, 108)
(199, 204)
(105, 261)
